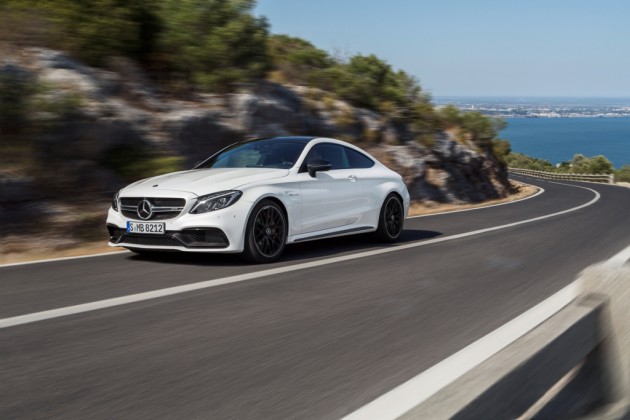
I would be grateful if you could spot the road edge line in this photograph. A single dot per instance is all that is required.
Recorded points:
(418, 389)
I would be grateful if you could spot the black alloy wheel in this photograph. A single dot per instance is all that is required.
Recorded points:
(391, 220)
(266, 233)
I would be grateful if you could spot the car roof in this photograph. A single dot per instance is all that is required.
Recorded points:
(297, 139)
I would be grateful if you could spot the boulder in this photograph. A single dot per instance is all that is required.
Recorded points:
(196, 134)
(60, 70)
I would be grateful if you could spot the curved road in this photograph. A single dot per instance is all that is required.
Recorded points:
(312, 336)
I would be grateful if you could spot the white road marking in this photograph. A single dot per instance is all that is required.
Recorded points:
(108, 303)
(404, 397)
(418, 389)
(78, 257)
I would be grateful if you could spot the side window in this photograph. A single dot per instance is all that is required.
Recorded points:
(333, 153)
(358, 160)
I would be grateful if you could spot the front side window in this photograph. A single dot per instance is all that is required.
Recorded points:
(339, 157)
(332, 153)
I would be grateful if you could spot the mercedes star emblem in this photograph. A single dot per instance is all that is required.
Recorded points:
(145, 210)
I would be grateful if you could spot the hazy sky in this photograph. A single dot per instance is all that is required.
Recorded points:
(476, 47)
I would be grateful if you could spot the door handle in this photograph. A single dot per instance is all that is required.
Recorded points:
(352, 178)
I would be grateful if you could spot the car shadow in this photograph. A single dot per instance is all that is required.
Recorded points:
(299, 252)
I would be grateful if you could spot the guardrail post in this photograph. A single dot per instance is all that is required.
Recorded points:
(614, 282)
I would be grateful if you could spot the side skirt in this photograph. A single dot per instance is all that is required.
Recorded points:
(333, 234)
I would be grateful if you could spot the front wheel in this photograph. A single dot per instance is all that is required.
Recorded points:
(391, 218)
(266, 233)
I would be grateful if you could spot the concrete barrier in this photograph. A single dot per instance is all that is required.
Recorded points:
(575, 364)
(605, 178)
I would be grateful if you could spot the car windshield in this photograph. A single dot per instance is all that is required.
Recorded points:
(265, 153)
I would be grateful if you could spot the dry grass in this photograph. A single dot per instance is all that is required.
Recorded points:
(520, 191)
(22, 250)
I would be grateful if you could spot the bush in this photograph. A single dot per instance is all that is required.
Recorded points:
(623, 174)
(94, 30)
(481, 130)
(134, 162)
(213, 43)
(519, 160)
(16, 92)
(298, 60)
(581, 164)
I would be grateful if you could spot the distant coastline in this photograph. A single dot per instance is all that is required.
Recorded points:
(515, 107)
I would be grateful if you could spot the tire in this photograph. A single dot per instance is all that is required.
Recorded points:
(391, 219)
(266, 233)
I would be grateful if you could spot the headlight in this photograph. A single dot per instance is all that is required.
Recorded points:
(216, 201)
(115, 201)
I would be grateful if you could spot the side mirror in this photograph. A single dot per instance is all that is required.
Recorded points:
(318, 165)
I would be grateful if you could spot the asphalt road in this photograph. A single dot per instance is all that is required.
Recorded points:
(315, 342)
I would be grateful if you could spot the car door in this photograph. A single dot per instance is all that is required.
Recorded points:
(331, 199)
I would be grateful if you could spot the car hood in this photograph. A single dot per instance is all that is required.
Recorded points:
(203, 181)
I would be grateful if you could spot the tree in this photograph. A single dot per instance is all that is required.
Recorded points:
(481, 128)
(298, 60)
(600, 165)
(623, 174)
(451, 116)
(214, 43)
(581, 164)
(94, 30)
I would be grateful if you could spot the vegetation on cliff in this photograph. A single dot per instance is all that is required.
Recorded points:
(214, 45)
(119, 112)
(580, 164)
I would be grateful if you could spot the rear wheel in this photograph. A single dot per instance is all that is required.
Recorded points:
(266, 233)
(390, 222)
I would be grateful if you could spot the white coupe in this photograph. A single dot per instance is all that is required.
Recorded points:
(257, 196)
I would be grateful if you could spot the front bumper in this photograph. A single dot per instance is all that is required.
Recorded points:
(200, 238)
(220, 231)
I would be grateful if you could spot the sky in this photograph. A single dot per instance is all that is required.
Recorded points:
(476, 47)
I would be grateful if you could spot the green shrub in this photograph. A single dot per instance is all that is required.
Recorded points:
(581, 164)
(133, 162)
(213, 43)
(519, 160)
(623, 174)
(501, 149)
(16, 93)
(94, 30)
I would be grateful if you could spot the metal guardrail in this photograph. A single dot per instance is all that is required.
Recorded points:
(576, 364)
(606, 178)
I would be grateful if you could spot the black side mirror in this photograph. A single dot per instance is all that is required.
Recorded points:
(318, 165)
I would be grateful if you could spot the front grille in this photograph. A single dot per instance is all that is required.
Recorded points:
(163, 208)
(156, 216)
(189, 238)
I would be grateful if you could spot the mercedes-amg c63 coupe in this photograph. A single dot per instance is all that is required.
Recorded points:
(257, 196)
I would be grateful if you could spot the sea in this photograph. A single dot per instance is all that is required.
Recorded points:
(558, 139)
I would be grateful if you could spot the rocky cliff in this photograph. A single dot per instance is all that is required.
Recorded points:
(95, 119)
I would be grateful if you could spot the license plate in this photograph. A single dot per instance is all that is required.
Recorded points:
(141, 227)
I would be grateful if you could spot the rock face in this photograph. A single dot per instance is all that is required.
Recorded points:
(450, 172)
(120, 110)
